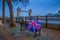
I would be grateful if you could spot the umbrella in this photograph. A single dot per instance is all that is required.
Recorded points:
(34, 26)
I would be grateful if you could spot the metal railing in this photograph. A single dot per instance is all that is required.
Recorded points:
(43, 19)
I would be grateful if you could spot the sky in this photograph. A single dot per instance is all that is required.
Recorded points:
(39, 7)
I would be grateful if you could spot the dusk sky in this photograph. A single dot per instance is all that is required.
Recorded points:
(39, 7)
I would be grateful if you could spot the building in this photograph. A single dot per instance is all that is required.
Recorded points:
(58, 11)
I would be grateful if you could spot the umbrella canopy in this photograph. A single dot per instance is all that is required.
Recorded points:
(34, 26)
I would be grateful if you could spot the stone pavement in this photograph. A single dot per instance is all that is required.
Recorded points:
(51, 33)
(4, 35)
(46, 34)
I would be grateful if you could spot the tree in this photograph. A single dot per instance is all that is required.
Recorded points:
(9, 2)
(3, 11)
(12, 24)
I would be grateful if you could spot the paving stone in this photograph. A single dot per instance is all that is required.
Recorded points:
(46, 34)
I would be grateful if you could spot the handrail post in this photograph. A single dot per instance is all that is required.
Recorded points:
(46, 21)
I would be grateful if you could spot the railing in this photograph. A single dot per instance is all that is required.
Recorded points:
(54, 20)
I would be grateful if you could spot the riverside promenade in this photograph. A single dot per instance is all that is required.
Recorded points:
(46, 34)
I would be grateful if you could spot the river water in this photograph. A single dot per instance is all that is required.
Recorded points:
(44, 21)
(50, 22)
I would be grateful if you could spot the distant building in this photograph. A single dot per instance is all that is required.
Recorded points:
(58, 11)
(50, 14)
(55, 14)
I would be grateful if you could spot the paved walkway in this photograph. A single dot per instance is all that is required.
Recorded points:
(49, 33)
(4, 35)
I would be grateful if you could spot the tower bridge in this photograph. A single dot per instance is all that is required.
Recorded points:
(19, 12)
